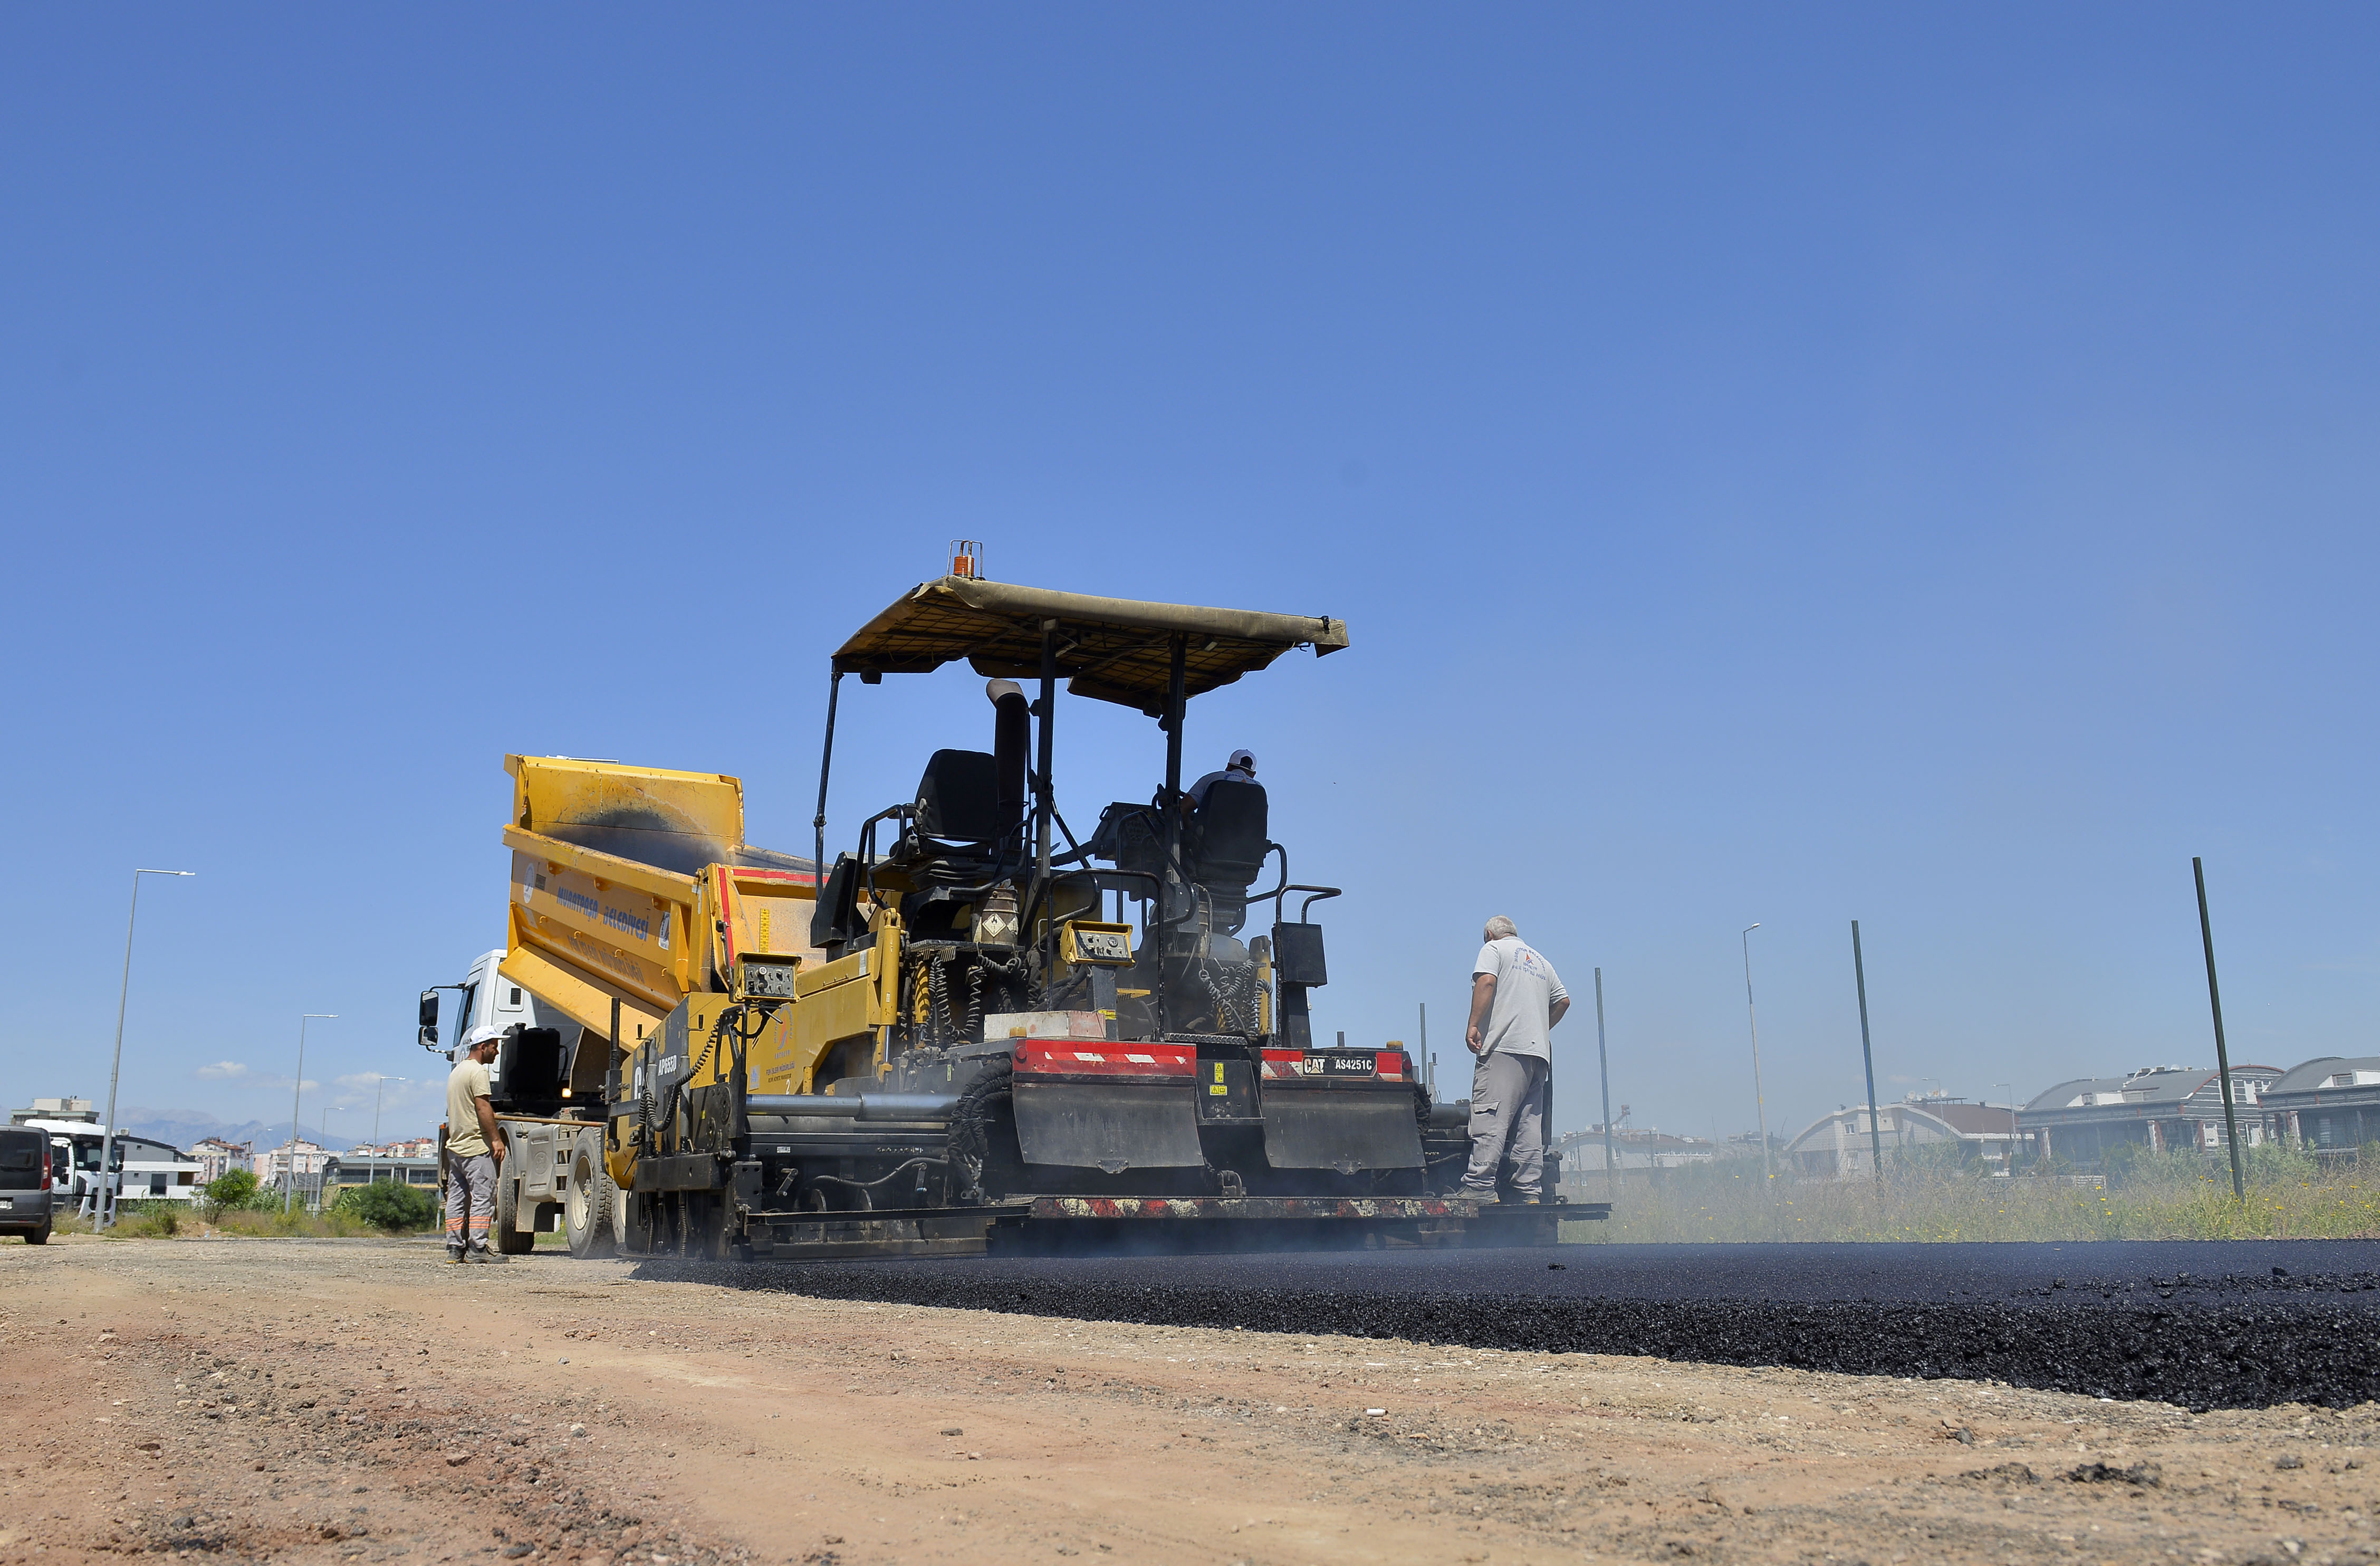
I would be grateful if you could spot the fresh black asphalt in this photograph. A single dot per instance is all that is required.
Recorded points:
(2203, 1324)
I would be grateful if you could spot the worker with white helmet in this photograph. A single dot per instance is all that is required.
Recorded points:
(474, 1150)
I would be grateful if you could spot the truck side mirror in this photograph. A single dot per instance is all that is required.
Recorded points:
(428, 1018)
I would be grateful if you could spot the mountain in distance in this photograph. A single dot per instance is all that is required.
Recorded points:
(182, 1127)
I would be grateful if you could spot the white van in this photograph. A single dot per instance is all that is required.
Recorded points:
(146, 1170)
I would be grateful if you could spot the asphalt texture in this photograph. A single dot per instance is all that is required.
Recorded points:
(2199, 1324)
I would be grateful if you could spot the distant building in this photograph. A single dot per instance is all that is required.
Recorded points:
(1634, 1147)
(272, 1166)
(217, 1157)
(1844, 1143)
(414, 1147)
(362, 1168)
(2331, 1102)
(2158, 1108)
(154, 1171)
(75, 1110)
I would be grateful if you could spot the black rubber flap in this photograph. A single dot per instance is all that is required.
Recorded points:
(1345, 1129)
(1110, 1126)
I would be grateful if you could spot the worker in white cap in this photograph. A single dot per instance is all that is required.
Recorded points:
(473, 1149)
(1241, 769)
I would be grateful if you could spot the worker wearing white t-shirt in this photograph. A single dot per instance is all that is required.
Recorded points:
(1241, 769)
(1516, 998)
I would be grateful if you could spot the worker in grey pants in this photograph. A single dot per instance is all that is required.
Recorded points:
(1516, 998)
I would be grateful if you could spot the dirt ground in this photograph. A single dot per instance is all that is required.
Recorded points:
(361, 1400)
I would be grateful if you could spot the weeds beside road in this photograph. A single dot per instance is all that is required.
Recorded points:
(2169, 1196)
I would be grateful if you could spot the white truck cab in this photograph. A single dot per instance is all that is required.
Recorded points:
(485, 999)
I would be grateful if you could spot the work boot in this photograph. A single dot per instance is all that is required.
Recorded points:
(485, 1255)
(454, 1254)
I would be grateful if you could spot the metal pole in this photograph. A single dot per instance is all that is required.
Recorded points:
(826, 761)
(1759, 1101)
(1428, 1061)
(102, 1207)
(1603, 1058)
(2007, 1148)
(1176, 698)
(380, 1085)
(2222, 1056)
(1042, 804)
(1175, 682)
(1867, 1055)
(298, 1131)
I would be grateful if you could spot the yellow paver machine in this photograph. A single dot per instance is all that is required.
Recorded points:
(980, 1031)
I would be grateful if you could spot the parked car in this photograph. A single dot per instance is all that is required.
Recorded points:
(25, 1184)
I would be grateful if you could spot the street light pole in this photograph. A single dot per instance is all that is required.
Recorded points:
(322, 1178)
(296, 1131)
(102, 1207)
(1759, 1101)
(1603, 1058)
(1868, 1057)
(2007, 1148)
(379, 1083)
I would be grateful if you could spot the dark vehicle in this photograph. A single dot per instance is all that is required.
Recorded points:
(25, 1184)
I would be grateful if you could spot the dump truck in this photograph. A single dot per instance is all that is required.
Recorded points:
(969, 1029)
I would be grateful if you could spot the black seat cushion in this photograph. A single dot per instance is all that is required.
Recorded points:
(1230, 842)
(958, 799)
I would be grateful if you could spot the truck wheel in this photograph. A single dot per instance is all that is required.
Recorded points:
(586, 1212)
(507, 1236)
(38, 1236)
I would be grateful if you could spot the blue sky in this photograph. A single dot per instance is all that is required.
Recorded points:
(1907, 465)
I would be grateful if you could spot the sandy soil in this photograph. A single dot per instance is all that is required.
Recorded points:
(359, 1400)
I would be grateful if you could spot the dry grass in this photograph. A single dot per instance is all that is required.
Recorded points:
(181, 1220)
(2173, 1196)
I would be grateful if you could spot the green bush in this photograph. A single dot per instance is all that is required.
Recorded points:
(386, 1204)
(232, 1188)
(147, 1221)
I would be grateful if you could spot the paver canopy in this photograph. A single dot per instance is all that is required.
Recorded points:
(1115, 649)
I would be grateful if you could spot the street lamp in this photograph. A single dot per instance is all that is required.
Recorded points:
(379, 1083)
(1760, 1103)
(103, 1205)
(296, 1131)
(323, 1176)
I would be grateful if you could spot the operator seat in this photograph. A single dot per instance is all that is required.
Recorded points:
(958, 799)
(1226, 846)
(960, 828)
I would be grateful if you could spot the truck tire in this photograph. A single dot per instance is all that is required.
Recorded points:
(38, 1236)
(507, 1235)
(586, 1212)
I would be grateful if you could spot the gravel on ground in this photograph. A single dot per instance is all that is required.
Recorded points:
(361, 1400)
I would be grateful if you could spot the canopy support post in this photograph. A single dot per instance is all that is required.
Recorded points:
(1041, 797)
(1173, 704)
(826, 761)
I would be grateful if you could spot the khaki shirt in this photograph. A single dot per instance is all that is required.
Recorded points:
(465, 1087)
